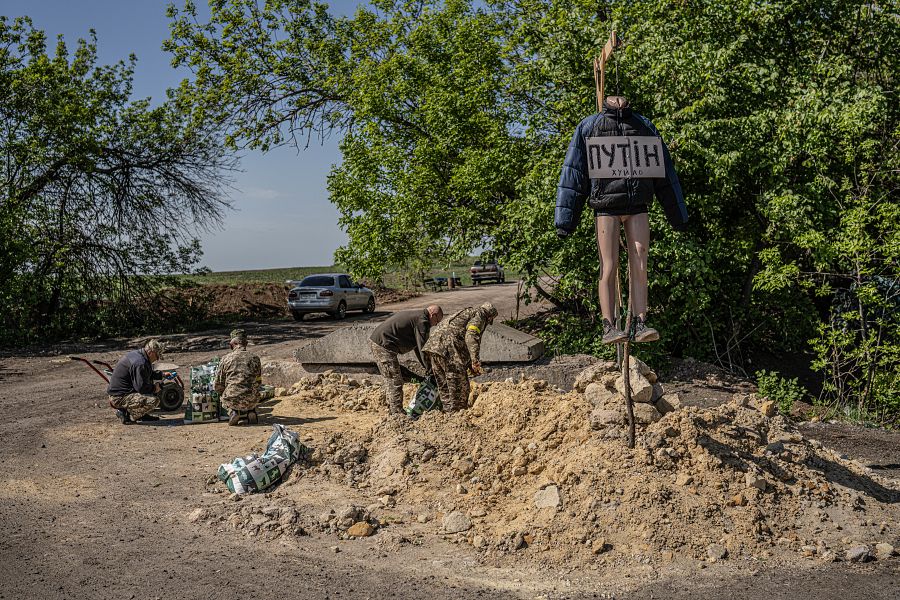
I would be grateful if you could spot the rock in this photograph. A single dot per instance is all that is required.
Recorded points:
(641, 389)
(668, 403)
(593, 373)
(335, 549)
(352, 453)
(423, 519)
(479, 542)
(717, 551)
(640, 366)
(197, 515)
(601, 397)
(456, 522)
(280, 391)
(547, 497)
(601, 418)
(658, 392)
(768, 408)
(755, 481)
(776, 447)
(288, 517)
(651, 377)
(464, 466)
(461, 489)
(519, 471)
(428, 455)
(645, 414)
(360, 529)
(599, 546)
(683, 479)
(884, 550)
(858, 553)
(808, 551)
(478, 511)
(738, 500)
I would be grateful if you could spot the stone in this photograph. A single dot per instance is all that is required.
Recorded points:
(428, 455)
(547, 497)
(478, 511)
(335, 549)
(651, 377)
(361, 529)
(464, 466)
(717, 551)
(349, 454)
(859, 553)
(755, 481)
(808, 551)
(423, 519)
(599, 546)
(461, 489)
(645, 414)
(280, 391)
(683, 479)
(668, 403)
(601, 397)
(641, 389)
(658, 392)
(601, 418)
(288, 517)
(884, 550)
(640, 366)
(456, 522)
(479, 542)
(197, 515)
(593, 373)
(519, 471)
(768, 408)
(738, 500)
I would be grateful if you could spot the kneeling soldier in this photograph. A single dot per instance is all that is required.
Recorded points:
(401, 332)
(454, 348)
(238, 380)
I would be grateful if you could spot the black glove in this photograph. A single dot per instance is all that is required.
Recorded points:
(562, 233)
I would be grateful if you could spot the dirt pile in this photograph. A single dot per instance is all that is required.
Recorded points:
(531, 471)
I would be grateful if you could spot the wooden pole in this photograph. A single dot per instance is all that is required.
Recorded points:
(600, 68)
(626, 365)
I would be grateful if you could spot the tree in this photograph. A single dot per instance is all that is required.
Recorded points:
(97, 193)
(456, 117)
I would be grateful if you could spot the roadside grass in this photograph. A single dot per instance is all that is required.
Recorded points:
(394, 279)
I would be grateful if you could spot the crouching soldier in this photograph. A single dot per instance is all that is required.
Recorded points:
(454, 348)
(401, 332)
(238, 380)
(132, 391)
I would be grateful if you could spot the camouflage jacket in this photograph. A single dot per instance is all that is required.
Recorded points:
(459, 337)
(239, 375)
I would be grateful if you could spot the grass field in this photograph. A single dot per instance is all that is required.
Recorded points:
(395, 279)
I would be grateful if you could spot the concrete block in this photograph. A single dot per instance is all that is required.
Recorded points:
(350, 345)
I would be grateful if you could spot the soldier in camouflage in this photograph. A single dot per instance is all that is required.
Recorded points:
(238, 380)
(453, 348)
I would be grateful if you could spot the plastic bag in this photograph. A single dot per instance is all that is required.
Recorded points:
(426, 398)
(255, 473)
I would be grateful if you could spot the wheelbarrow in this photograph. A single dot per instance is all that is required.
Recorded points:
(171, 387)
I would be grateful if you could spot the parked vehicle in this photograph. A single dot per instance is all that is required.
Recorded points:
(488, 270)
(332, 293)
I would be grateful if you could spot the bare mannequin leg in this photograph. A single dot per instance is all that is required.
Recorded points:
(607, 229)
(637, 234)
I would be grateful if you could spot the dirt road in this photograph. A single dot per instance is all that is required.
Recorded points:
(92, 509)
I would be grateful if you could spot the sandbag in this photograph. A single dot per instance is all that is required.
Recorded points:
(425, 399)
(255, 473)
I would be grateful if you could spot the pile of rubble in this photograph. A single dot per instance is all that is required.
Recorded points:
(546, 475)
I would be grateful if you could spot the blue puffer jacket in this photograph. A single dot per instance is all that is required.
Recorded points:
(626, 196)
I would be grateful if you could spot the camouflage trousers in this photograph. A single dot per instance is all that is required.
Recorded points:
(389, 367)
(241, 403)
(452, 382)
(136, 404)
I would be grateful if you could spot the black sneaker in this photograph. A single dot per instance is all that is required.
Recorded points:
(612, 334)
(123, 416)
(252, 417)
(149, 418)
(642, 333)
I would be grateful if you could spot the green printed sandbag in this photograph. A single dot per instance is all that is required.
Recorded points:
(426, 398)
(256, 473)
(203, 405)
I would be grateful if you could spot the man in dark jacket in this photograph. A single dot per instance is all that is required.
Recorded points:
(401, 332)
(618, 200)
(132, 391)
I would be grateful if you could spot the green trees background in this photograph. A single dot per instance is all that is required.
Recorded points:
(454, 116)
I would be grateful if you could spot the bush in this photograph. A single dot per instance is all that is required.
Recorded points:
(783, 392)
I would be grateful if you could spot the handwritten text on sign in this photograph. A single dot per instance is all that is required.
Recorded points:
(614, 157)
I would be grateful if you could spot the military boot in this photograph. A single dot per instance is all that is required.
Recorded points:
(252, 417)
(612, 334)
(234, 417)
(642, 333)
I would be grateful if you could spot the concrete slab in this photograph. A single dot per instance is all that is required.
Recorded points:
(350, 345)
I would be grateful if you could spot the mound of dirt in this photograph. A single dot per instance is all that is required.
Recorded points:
(528, 471)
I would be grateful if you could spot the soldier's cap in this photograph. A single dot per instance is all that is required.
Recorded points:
(156, 347)
(489, 309)
(240, 335)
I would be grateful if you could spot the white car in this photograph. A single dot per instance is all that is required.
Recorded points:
(332, 293)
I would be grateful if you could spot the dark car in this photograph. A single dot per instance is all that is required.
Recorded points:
(332, 293)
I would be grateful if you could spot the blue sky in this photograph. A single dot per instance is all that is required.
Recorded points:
(283, 217)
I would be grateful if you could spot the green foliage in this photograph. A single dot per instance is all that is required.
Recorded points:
(782, 120)
(95, 190)
(783, 392)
